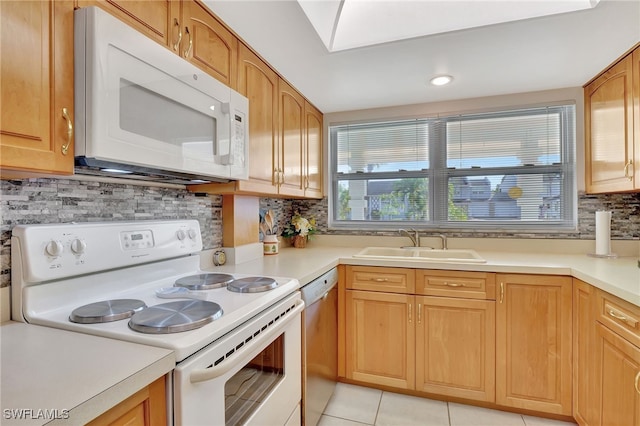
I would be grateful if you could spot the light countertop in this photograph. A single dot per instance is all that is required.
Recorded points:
(74, 376)
(620, 277)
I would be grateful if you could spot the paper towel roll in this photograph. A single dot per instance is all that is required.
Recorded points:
(603, 233)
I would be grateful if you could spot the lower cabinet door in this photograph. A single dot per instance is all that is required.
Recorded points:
(533, 342)
(616, 384)
(455, 347)
(380, 346)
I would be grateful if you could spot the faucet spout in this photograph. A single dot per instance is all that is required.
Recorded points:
(444, 241)
(413, 235)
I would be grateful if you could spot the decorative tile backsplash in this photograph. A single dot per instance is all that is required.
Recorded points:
(625, 223)
(66, 200)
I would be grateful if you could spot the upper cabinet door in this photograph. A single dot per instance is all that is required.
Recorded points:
(208, 44)
(157, 19)
(259, 83)
(36, 90)
(609, 130)
(313, 152)
(291, 109)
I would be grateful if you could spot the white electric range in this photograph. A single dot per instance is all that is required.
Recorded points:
(238, 352)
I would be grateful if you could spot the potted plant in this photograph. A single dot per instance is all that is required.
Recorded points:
(299, 229)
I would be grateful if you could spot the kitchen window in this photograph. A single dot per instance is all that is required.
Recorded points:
(507, 170)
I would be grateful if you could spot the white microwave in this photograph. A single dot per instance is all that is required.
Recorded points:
(142, 111)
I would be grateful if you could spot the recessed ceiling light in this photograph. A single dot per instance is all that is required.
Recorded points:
(441, 80)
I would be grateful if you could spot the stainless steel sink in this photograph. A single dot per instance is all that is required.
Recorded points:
(421, 254)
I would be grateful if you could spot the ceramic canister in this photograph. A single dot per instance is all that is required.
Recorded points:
(270, 244)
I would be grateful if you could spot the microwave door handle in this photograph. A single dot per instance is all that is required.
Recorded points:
(249, 348)
(228, 158)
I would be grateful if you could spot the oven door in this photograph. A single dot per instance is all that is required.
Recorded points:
(250, 376)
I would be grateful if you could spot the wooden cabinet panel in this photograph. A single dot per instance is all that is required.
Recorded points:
(36, 88)
(313, 152)
(291, 111)
(609, 148)
(147, 407)
(455, 347)
(157, 19)
(620, 316)
(583, 340)
(376, 278)
(615, 384)
(472, 285)
(533, 342)
(380, 341)
(208, 44)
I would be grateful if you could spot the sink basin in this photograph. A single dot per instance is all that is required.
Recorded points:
(421, 254)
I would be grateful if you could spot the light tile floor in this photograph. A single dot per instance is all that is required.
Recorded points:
(357, 406)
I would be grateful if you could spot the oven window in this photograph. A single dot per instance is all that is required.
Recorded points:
(252, 384)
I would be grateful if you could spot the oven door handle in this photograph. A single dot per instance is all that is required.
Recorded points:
(210, 373)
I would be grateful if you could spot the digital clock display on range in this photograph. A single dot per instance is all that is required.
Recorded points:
(136, 237)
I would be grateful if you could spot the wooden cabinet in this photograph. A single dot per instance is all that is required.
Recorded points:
(312, 155)
(380, 338)
(391, 280)
(146, 407)
(612, 148)
(36, 89)
(207, 44)
(615, 382)
(455, 347)
(288, 162)
(533, 342)
(285, 136)
(469, 285)
(186, 27)
(157, 19)
(429, 344)
(583, 341)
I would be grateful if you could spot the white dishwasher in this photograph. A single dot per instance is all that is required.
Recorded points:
(319, 345)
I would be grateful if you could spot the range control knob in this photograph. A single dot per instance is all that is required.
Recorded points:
(181, 234)
(54, 248)
(192, 233)
(78, 246)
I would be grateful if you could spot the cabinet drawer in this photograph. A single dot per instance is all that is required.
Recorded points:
(374, 278)
(620, 316)
(471, 285)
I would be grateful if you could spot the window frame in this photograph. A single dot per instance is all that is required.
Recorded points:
(438, 172)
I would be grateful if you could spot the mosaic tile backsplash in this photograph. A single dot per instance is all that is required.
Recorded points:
(66, 200)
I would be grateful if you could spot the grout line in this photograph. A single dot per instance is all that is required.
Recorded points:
(349, 420)
(375, 419)
(449, 413)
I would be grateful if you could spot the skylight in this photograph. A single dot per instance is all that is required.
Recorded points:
(348, 24)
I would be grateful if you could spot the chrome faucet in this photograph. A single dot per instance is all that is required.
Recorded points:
(413, 235)
(444, 240)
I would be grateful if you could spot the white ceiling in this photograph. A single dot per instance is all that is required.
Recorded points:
(548, 52)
